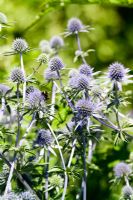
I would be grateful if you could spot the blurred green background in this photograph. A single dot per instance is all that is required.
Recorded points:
(112, 40)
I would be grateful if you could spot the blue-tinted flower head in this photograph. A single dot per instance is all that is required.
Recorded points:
(4, 89)
(34, 99)
(27, 195)
(73, 73)
(44, 138)
(122, 169)
(45, 47)
(85, 107)
(3, 18)
(117, 72)
(86, 70)
(20, 45)
(56, 42)
(50, 75)
(79, 82)
(17, 75)
(74, 25)
(127, 191)
(55, 63)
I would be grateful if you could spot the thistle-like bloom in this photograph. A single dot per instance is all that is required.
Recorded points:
(31, 89)
(79, 82)
(86, 70)
(122, 169)
(85, 107)
(10, 196)
(20, 45)
(56, 42)
(45, 47)
(42, 58)
(17, 75)
(56, 181)
(27, 195)
(117, 72)
(127, 191)
(74, 25)
(50, 75)
(4, 89)
(55, 63)
(34, 99)
(3, 18)
(44, 138)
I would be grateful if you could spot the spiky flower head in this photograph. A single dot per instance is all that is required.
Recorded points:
(86, 70)
(117, 72)
(20, 45)
(42, 58)
(44, 138)
(34, 99)
(4, 89)
(27, 195)
(55, 63)
(56, 42)
(56, 181)
(10, 196)
(3, 18)
(50, 75)
(122, 169)
(73, 73)
(45, 47)
(85, 107)
(79, 82)
(17, 75)
(74, 25)
(127, 191)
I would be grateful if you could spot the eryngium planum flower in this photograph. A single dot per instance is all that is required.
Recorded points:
(55, 63)
(79, 82)
(86, 70)
(85, 107)
(4, 89)
(74, 25)
(10, 196)
(56, 42)
(56, 181)
(17, 75)
(27, 195)
(127, 191)
(45, 47)
(3, 18)
(44, 138)
(20, 45)
(122, 169)
(116, 72)
(42, 58)
(50, 75)
(34, 99)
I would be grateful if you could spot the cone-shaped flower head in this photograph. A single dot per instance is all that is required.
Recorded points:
(20, 45)
(56, 181)
(79, 81)
(74, 25)
(85, 107)
(42, 58)
(34, 99)
(17, 75)
(117, 72)
(56, 42)
(55, 63)
(50, 75)
(44, 137)
(86, 70)
(122, 169)
(127, 191)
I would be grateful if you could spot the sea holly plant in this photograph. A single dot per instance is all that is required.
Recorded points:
(50, 128)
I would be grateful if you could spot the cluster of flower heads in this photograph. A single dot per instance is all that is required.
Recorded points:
(44, 138)
(123, 170)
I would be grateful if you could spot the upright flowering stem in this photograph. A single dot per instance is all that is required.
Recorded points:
(63, 162)
(24, 84)
(53, 100)
(47, 158)
(8, 185)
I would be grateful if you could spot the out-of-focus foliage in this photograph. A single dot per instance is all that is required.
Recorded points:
(111, 40)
